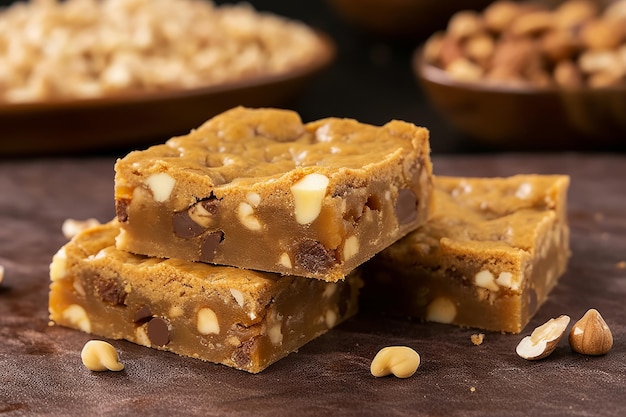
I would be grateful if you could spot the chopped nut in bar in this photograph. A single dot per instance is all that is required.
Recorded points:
(487, 258)
(258, 189)
(240, 318)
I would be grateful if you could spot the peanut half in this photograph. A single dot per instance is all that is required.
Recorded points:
(401, 361)
(98, 355)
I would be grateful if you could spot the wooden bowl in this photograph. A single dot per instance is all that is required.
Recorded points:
(527, 118)
(402, 18)
(130, 120)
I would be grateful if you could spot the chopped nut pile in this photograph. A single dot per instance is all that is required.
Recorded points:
(91, 48)
(523, 44)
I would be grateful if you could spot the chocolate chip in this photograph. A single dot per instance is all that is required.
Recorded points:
(159, 331)
(406, 206)
(209, 245)
(313, 257)
(111, 290)
(143, 314)
(184, 226)
(241, 355)
(121, 209)
(210, 204)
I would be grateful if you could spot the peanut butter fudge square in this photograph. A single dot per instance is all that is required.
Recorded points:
(258, 189)
(488, 257)
(239, 318)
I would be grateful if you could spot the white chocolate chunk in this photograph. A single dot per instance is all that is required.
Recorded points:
(322, 133)
(275, 334)
(441, 310)
(200, 215)
(485, 279)
(77, 315)
(350, 247)
(524, 191)
(308, 194)
(78, 287)
(174, 311)
(58, 269)
(72, 227)
(98, 355)
(254, 199)
(285, 260)
(246, 216)
(161, 186)
(207, 322)
(506, 280)
(329, 290)
(141, 337)
(238, 296)
(331, 318)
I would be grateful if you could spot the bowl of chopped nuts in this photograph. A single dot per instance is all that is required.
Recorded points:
(82, 76)
(527, 76)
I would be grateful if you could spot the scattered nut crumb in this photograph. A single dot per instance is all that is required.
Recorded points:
(543, 339)
(401, 361)
(98, 355)
(591, 335)
(72, 227)
(621, 265)
(477, 338)
(472, 389)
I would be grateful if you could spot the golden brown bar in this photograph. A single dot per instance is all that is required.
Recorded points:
(258, 189)
(488, 257)
(240, 318)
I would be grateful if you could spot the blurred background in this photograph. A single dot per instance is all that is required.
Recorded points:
(373, 79)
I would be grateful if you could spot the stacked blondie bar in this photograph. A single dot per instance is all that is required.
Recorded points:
(252, 235)
(240, 242)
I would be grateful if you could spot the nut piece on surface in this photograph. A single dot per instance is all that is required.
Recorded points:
(308, 194)
(401, 361)
(72, 227)
(1, 272)
(98, 355)
(477, 338)
(591, 335)
(543, 339)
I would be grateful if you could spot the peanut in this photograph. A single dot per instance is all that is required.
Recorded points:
(400, 361)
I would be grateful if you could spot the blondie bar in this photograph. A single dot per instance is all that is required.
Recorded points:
(239, 318)
(258, 189)
(488, 257)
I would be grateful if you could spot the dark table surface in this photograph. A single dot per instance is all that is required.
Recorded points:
(371, 80)
(41, 372)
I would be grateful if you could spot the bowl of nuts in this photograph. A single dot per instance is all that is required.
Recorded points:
(530, 76)
(82, 76)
